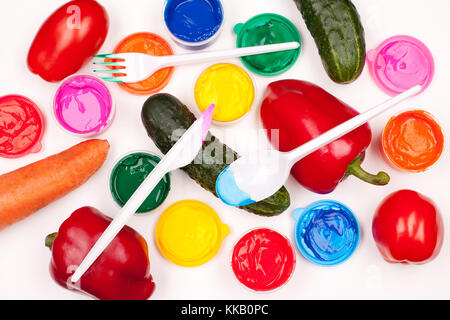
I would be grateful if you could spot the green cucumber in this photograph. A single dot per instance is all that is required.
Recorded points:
(165, 118)
(339, 35)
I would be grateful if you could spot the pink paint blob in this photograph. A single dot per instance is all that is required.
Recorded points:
(83, 105)
(400, 63)
(207, 118)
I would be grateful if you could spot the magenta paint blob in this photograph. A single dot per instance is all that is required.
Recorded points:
(399, 63)
(83, 105)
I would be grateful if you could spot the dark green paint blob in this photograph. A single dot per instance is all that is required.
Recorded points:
(263, 29)
(130, 172)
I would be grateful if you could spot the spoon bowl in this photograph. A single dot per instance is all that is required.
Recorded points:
(267, 169)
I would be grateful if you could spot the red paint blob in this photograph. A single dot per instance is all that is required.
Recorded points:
(263, 260)
(21, 126)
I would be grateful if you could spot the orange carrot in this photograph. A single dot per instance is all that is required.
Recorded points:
(28, 189)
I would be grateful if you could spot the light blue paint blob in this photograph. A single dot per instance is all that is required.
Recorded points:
(229, 192)
(327, 233)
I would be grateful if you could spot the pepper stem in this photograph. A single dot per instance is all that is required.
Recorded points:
(380, 179)
(49, 240)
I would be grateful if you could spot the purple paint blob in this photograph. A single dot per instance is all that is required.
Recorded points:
(83, 105)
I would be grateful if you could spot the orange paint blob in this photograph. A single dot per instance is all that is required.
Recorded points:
(149, 43)
(413, 141)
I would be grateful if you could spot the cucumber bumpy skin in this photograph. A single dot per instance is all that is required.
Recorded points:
(165, 117)
(339, 35)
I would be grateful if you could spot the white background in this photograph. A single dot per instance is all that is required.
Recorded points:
(24, 259)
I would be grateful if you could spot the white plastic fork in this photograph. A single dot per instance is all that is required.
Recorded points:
(137, 67)
(181, 154)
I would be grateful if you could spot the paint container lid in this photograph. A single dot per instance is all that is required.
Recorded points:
(189, 233)
(326, 232)
(400, 63)
(129, 173)
(230, 88)
(22, 126)
(263, 260)
(263, 29)
(412, 141)
(152, 44)
(83, 106)
(193, 24)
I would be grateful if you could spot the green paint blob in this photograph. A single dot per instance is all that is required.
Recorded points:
(268, 28)
(130, 172)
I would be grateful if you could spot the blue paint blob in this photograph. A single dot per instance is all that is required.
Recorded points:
(229, 192)
(193, 20)
(326, 233)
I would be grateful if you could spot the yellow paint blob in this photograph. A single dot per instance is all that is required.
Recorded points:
(189, 233)
(227, 86)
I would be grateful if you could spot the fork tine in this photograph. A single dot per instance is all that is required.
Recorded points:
(110, 64)
(112, 79)
(109, 56)
(118, 71)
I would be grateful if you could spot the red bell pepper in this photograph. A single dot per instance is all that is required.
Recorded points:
(302, 111)
(408, 228)
(122, 271)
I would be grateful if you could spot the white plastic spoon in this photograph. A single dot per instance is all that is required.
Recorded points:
(246, 181)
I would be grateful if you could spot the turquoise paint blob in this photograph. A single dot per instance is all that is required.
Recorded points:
(229, 192)
(193, 20)
(326, 233)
